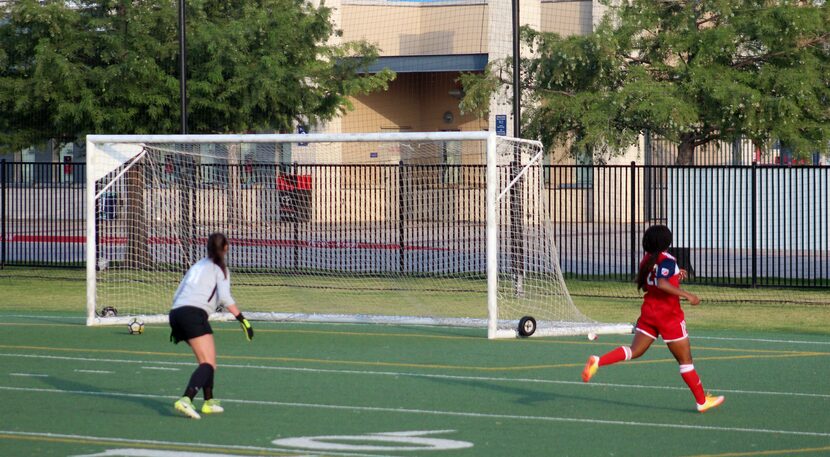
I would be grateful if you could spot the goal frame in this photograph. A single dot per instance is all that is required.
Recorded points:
(489, 139)
(491, 189)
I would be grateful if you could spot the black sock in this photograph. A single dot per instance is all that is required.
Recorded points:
(198, 379)
(207, 390)
(190, 392)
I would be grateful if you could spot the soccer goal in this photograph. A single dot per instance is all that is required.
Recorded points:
(447, 228)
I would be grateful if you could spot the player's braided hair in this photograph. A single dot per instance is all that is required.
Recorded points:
(656, 240)
(216, 250)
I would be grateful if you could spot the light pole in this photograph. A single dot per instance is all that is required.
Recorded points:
(517, 92)
(182, 67)
(516, 198)
(186, 165)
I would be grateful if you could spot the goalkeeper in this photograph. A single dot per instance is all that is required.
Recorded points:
(205, 287)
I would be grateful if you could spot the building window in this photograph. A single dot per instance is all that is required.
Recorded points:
(284, 159)
(451, 159)
(214, 170)
(585, 169)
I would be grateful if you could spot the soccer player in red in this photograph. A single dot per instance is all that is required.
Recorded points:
(661, 315)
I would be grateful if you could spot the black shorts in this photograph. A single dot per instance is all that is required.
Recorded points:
(188, 322)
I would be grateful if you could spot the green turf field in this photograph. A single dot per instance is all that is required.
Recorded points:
(763, 309)
(70, 390)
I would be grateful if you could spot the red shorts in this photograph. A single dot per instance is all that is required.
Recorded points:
(671, 329)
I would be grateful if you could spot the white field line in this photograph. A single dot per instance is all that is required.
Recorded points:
(430, 412)
(34, 316)
(209, 446)
(95, 371)
(337, 324)
(421, 375)
(758, 340)
(30, 375)
(160, 368)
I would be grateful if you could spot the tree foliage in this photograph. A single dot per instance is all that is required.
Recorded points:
(68, 68)
(693, 71)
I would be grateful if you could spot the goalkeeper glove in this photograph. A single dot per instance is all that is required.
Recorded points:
(246, 326)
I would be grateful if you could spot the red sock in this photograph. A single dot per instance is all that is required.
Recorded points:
(617, 355)
(693, 381)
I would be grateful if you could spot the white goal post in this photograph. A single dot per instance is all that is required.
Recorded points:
(440, 228)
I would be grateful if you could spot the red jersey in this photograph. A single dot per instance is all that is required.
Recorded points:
(657, 303)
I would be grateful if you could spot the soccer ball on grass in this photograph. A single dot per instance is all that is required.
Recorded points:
(136, 327)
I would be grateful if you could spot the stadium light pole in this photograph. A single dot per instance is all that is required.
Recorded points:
(517, 93)
(186, 165)
(517, 233)
(182, 67)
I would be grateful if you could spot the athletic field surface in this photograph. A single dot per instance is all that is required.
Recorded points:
(303, 389)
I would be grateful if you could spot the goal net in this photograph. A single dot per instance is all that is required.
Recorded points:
(445, 228)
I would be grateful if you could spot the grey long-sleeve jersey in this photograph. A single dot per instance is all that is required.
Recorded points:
(204, 286)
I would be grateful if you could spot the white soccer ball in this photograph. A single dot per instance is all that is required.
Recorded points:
(592, 336)
(136, 327)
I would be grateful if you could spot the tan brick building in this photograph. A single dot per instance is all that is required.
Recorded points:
(429, 43)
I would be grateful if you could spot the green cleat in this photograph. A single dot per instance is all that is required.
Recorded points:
(185, 406)
(212, 406)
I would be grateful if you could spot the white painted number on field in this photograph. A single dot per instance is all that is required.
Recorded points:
(388, 441)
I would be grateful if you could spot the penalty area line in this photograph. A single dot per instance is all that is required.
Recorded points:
(415, 375)
(41, 316)
(758, 340)
(423, 366)
(428, 412)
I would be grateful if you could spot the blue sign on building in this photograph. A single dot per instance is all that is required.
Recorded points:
(501, 124)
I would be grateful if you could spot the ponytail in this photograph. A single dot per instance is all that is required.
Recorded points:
(657, 239)
(216, 244)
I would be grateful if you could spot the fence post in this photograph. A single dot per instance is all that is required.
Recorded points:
(632, 216)
(754, 224)
(401, 221)
(295, 194)
(3, 213)
(648, 205)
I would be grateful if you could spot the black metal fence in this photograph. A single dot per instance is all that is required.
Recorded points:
(733, 225)
(42, 213)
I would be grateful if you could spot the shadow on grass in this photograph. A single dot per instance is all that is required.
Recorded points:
(162, 407)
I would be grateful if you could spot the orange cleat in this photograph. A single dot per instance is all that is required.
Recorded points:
(711, 402)
(591, 367)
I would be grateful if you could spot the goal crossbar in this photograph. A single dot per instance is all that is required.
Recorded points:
(294, 138)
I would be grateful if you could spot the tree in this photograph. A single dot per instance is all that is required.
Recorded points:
(693, 71)
(68, 68)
